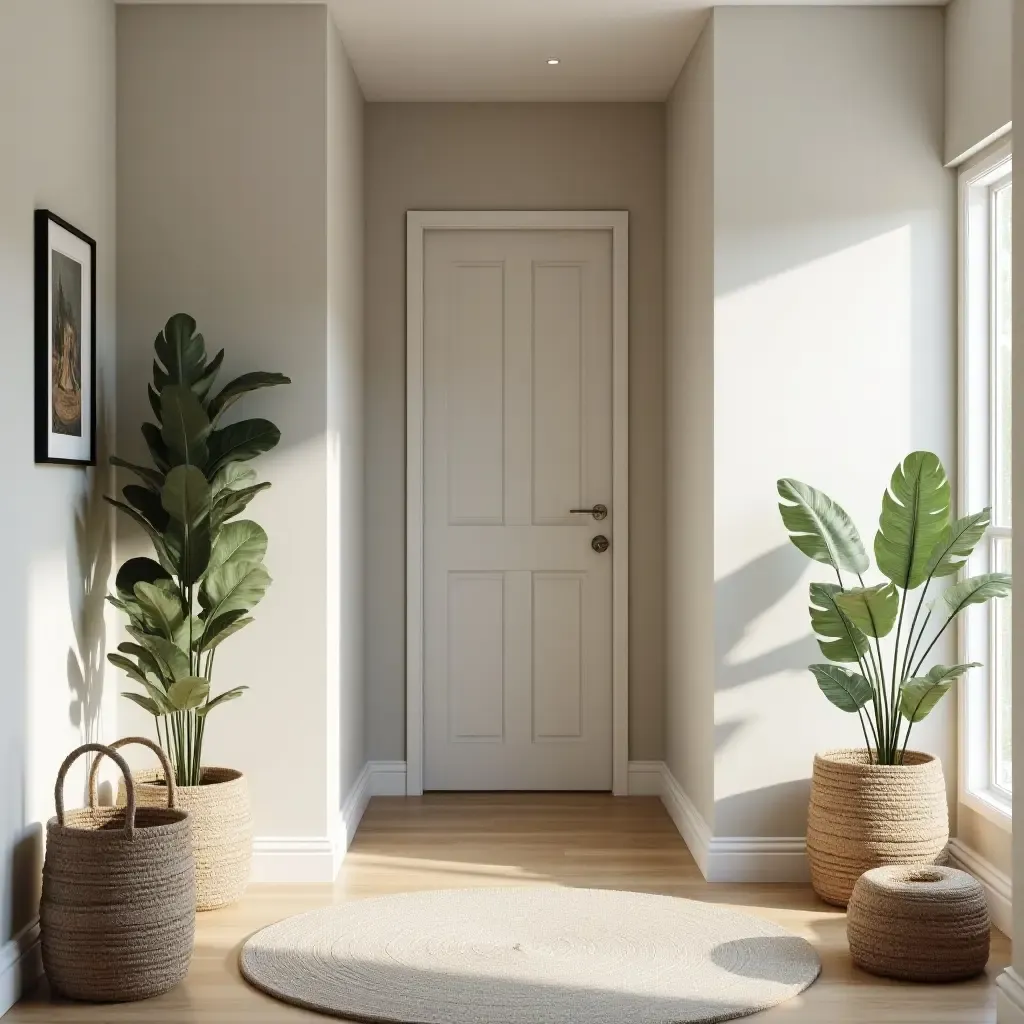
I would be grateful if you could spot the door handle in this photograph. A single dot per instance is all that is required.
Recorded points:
(598, 511)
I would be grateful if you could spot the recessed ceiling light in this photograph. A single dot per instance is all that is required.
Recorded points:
(553, 61)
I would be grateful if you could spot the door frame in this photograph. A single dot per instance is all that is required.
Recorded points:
(418, 222)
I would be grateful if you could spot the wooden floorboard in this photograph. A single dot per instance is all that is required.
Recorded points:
(460, 840)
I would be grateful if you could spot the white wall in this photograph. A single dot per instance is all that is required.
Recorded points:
(689, 426)
(833, 348)
(57, 125)
(548, 156)
(230, 207)
(978, 63)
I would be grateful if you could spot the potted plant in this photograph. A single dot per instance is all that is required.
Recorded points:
(207, 576)
(884, 803)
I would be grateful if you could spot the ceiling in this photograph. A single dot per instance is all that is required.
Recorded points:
(498, 49)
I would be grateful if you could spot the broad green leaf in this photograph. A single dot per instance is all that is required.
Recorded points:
(827, 620)
(181, 350)
(236, 586)
(820, 528)
(157, 447)
(241, 541)
(154, 402)
(240, 441)
(186, 494)
(233, 477)
(130, 607)
(138, 570)
(921, 694)
(144, 702)
(974, 590)
(872, 610)
(220, 699)
(234, 390)
(157, 695)
(202, 386)
(956, 544)
(153, 477)
(129, 667)
(195, 554)
(185, 425)
(148, 504)
(914, 519)
(160, 378)
(849, 691)
(159, 543)
(147, 662)
(222, 627)
(187, 635)
(232, 503)
(173, 661)
(188, 693)
(162, 610)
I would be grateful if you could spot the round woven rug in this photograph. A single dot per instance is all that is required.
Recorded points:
(529, 956)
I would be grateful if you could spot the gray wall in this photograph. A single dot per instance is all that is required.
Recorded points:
(834, 354)
(978, 36)
(689, 426)
(57, 125)
(229, 208)
(510, 156)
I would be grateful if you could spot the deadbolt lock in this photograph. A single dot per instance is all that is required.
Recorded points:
(600, 543)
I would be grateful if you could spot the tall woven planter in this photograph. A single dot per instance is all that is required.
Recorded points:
(221, 829)
(117, 913)
(865, 816)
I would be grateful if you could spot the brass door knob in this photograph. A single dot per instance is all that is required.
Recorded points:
(600, 543)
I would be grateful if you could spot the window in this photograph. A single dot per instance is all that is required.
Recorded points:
(986, 198)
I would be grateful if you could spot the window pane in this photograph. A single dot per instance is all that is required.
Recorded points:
(1002, 689)
(1002, 341)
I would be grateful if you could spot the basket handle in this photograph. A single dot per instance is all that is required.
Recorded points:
(172, 788)
(58, 790)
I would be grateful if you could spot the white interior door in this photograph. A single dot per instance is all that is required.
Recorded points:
(517, 421)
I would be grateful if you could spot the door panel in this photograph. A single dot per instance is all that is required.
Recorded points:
(517, 431)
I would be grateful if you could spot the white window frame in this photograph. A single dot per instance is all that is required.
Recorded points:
(978, 180)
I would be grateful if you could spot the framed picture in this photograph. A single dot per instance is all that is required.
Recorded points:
(65, 298)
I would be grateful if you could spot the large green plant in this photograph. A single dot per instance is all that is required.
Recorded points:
(917, 543)
(208, 573)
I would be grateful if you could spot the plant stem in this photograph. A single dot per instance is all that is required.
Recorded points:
(863, 729)
(908, 656)
(928, 651)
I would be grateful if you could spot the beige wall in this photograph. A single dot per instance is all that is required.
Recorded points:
(58, 152)
(345, 375)
(510, 156)
(977, 74)
(230, 207)
(689, 426)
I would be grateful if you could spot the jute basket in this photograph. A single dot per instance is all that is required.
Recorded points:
(919, 924)
(117, 913)
(865, 816)
(221, 829)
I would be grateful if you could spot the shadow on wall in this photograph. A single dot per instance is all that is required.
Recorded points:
(758, 809)
(748, 594)
(25, 881)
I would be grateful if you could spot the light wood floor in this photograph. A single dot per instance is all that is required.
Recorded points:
(457, 840)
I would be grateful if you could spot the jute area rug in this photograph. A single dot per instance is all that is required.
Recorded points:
(529, 956)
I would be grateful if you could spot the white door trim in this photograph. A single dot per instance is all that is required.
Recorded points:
(417, 222)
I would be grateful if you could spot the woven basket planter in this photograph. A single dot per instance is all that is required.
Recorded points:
(117, 913)
(919, 924)
(865, 816)
(221, 829)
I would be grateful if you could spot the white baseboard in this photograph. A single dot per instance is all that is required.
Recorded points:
(306, 859)
(387, 778)
(645, 778)
(21, 965)
(721, 858)
(998, 885)
(1009, 997)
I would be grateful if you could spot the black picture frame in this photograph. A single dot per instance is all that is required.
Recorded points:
(73, 442)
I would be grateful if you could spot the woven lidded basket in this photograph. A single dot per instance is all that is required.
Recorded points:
(865, 816)
(919, 924)
(221, 829)
(117, 913)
